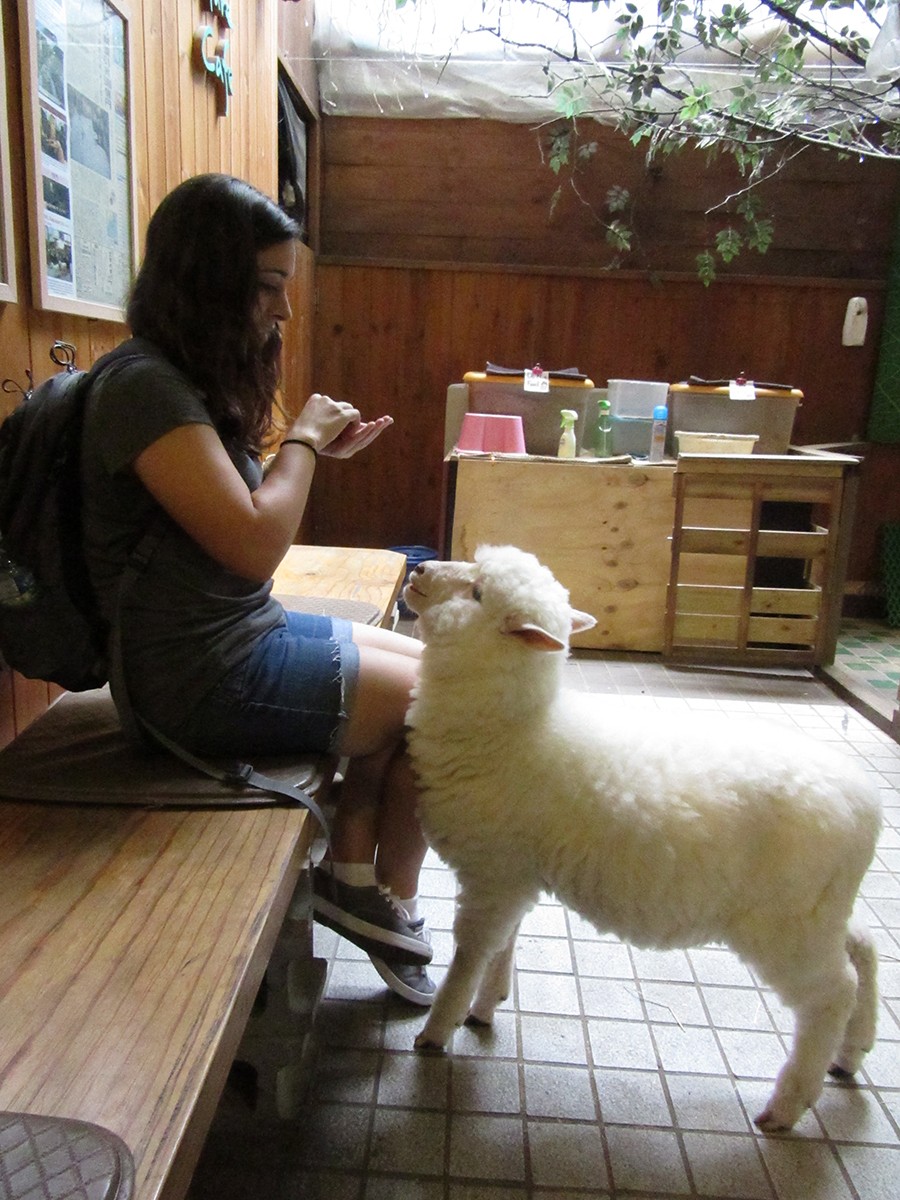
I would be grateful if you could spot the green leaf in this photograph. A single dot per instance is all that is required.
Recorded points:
(729, 243)
(619, 235)
(706, 267)
(617, 198)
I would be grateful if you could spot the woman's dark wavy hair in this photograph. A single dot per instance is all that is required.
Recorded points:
(195, 294)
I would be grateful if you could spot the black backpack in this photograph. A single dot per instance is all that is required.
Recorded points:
(50, 624)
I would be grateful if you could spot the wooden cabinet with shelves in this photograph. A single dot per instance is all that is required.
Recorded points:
(759, 549)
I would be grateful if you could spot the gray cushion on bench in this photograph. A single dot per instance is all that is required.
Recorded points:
(55, 1158)
(76, 753)
(333, 606)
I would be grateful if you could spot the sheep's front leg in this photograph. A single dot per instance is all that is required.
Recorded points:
(482, 930)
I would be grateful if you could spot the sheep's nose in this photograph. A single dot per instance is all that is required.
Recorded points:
(418, 570)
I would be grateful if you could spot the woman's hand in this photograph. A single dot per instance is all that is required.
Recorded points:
(355, 437)
(335, 427)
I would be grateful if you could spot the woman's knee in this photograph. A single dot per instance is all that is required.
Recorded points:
(380, 701)
(387, 639)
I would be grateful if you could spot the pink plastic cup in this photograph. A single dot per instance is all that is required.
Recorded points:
(496, 434)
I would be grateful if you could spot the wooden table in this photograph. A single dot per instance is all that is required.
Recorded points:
(133, 942)
(375, 576)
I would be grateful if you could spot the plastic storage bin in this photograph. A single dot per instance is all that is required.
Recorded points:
(695, 409)
(635, 397)
(505, 394)
(715, 443)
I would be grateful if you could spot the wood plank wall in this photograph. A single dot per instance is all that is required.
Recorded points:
(178, 133)
(441, 250)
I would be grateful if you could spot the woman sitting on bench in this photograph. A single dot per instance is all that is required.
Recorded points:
(209, 657)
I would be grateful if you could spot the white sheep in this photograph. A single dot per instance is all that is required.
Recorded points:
(665, 832)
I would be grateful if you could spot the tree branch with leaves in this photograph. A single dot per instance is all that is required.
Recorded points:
(758, 80)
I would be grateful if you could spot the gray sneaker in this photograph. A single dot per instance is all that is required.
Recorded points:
(408, 980)
(371, 918)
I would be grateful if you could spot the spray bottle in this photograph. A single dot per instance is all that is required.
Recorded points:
(567, 437)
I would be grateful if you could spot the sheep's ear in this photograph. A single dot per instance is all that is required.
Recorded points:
(532, 636)
(582, 621)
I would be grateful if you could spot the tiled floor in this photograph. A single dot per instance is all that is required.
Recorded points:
(611, 1072)
(867, 667)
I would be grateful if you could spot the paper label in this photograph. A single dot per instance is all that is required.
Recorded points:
(536, 380)
(743, 389)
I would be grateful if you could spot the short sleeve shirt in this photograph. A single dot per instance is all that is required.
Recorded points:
(187, 621)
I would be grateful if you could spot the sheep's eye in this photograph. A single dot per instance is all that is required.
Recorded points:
(476, 592)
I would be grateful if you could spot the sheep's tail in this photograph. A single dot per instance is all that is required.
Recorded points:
(859, 1036)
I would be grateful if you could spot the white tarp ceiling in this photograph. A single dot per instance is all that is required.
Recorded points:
(439, 58)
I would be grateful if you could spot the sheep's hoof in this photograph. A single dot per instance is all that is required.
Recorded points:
(769, 1124)
(473, 1021)
(836, 1071)
(427, 1046)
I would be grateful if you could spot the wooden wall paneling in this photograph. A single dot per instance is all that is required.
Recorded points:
(267, 147)
(385, 496)
(197, 100)
(481, 191)
(165, 55)
(254, 87)
(182, 21)
(159, 139)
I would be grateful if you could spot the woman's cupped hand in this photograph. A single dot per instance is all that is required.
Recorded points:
(335, 428)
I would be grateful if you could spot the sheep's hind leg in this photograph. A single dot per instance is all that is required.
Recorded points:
(821, 1017)
(496, 984)
(859, 1036)
(481, 931)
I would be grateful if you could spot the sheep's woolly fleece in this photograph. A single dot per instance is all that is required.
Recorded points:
(665, 831)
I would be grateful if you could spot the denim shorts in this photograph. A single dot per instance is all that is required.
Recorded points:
(292, 695)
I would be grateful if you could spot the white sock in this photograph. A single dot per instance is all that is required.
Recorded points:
(412, 907)
(354, 874)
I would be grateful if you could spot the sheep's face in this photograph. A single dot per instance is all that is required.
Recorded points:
(505, 591)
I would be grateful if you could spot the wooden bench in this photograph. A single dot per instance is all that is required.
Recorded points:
(134, 940)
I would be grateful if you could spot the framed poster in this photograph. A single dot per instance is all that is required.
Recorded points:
(7, 247)
(78, 125)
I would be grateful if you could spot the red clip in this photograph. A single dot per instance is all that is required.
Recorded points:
(537, 369)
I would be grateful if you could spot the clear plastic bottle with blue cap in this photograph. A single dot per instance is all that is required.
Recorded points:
(658, 433)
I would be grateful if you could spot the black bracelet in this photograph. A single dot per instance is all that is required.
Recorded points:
(300, 442)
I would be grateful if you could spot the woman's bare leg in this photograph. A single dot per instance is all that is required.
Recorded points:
(376, 820)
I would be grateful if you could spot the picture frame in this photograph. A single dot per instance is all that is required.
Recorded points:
(78, 112)
(8, 290)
